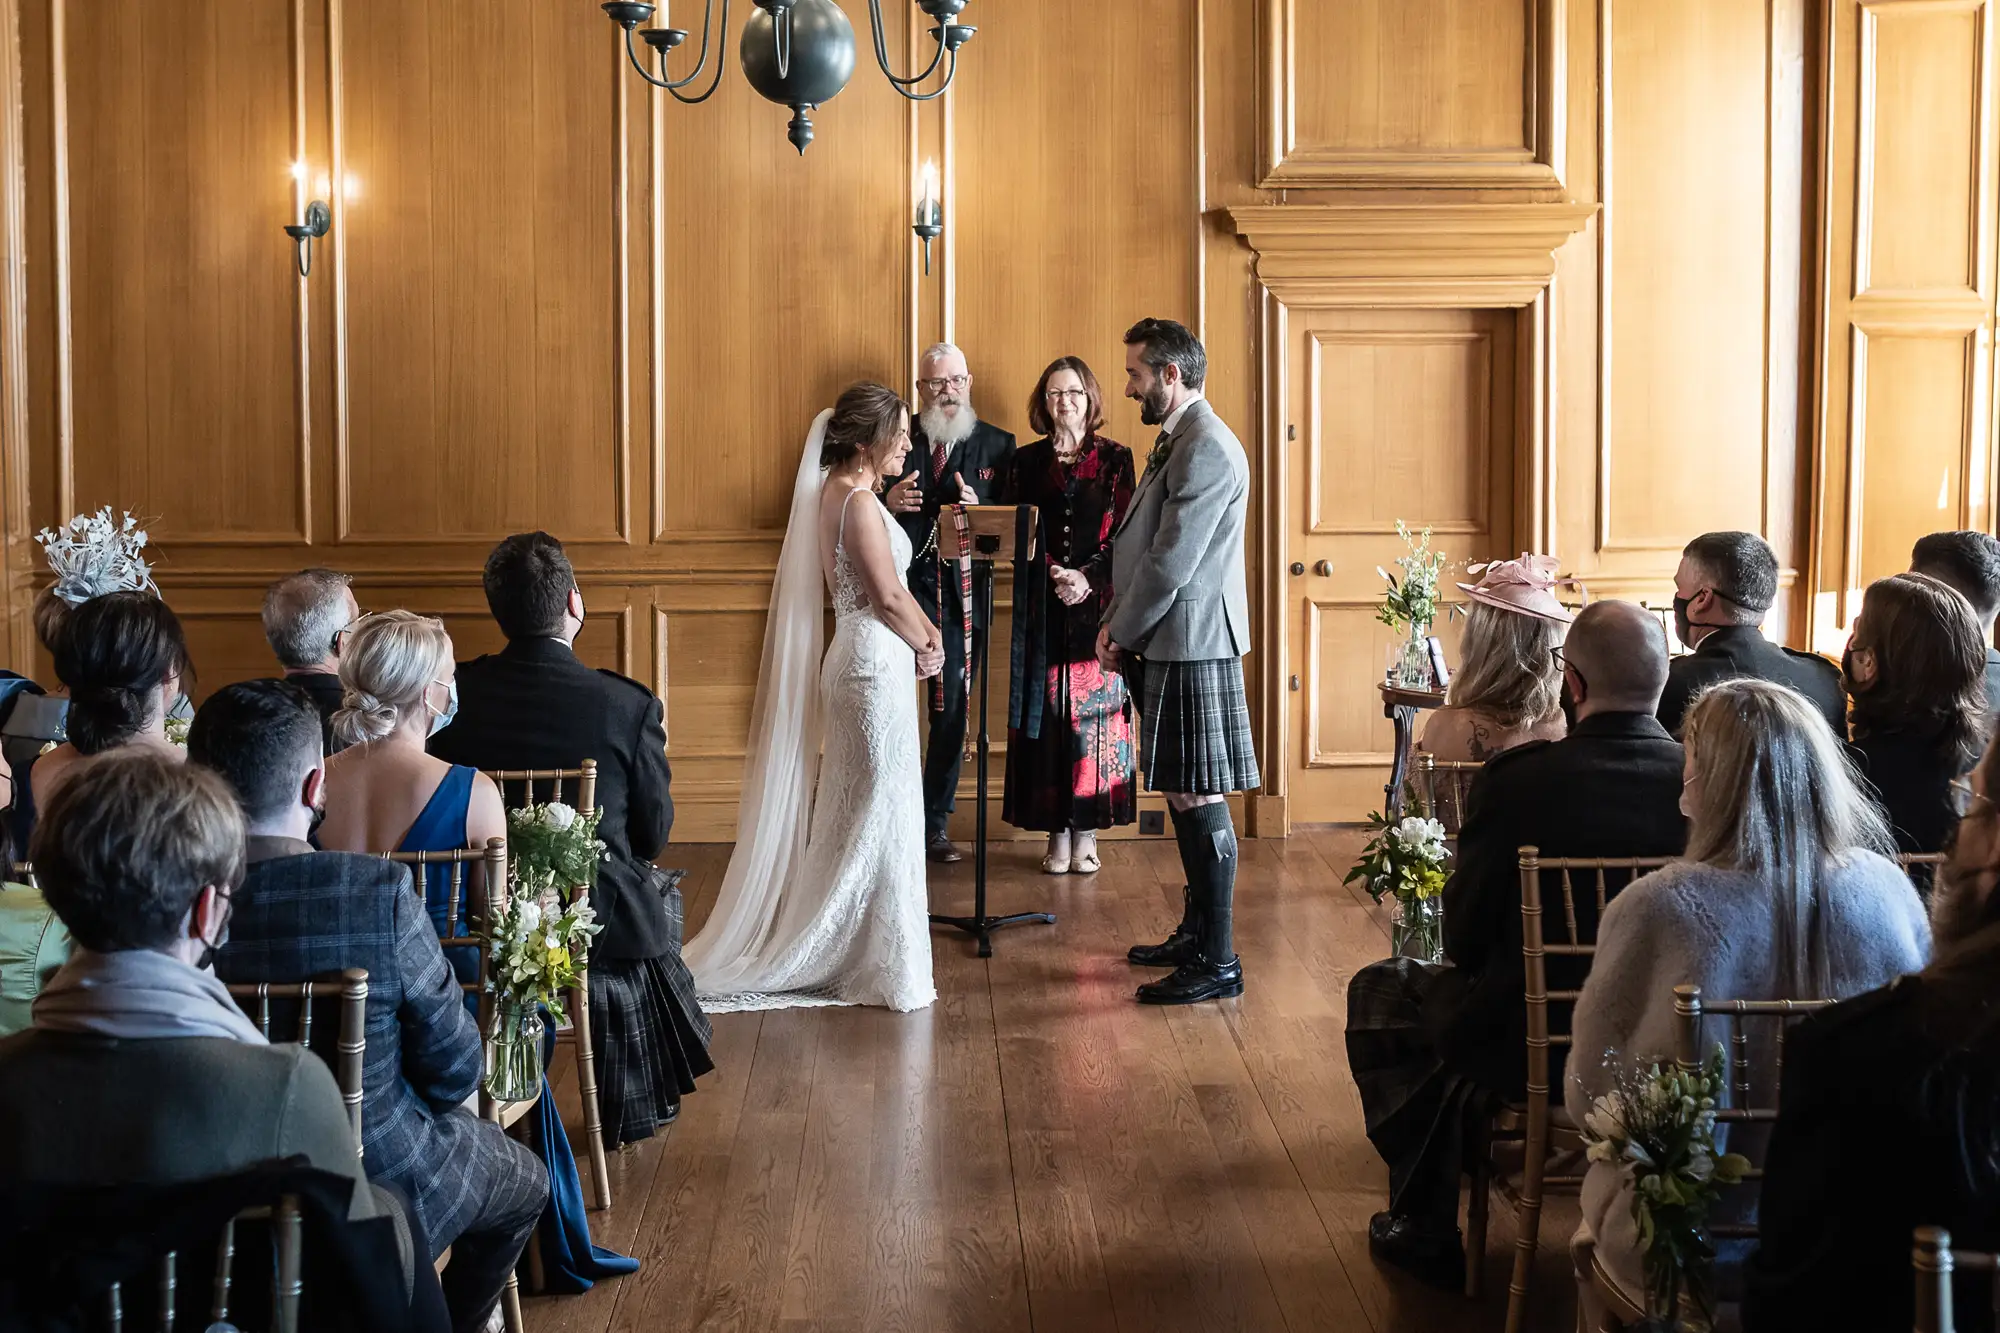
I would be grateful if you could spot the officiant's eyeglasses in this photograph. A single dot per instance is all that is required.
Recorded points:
(942, 383)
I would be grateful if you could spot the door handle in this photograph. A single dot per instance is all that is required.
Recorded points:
(1323, 568)
(1298, 568)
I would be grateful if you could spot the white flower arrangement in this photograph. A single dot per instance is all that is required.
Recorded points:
(94, 554)
(539, 949)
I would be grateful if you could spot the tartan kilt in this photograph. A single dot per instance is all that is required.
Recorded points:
(649, 1035)
(1194, 728)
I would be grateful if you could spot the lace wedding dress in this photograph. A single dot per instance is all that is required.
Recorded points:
(825, 898)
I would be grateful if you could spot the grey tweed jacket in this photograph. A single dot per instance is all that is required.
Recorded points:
(1178, 590)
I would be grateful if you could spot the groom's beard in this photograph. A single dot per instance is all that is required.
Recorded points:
(1153, 407)
(948, 429)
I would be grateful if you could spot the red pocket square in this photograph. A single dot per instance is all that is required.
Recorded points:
(986, 474)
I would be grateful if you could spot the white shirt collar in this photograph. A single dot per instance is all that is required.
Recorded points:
(1174, 417)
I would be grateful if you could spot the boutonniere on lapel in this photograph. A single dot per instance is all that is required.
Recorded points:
(986, 474)
(1163, 448)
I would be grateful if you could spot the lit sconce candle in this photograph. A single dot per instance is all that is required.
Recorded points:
(298, 191)
(929, 224)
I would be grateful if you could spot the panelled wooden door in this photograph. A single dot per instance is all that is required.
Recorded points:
(1399, 414)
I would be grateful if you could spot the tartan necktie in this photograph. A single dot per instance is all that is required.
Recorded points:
(1158, 458)
(937, 461)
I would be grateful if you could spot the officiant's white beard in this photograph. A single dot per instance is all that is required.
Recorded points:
(948, 429)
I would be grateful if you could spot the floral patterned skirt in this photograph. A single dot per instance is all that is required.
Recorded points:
(1080, 772)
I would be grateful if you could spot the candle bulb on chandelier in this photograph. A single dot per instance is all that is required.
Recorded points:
(924, 213)
(929, 224)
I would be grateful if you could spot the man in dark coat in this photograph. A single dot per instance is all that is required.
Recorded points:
(302, 913)
(1970, 563)
(534, 705)
(1431, 1047)
(305, 616)
(954, 458)
(1889, 1119)
(1724, 586)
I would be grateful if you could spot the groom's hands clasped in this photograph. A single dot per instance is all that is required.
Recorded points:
(1109, 655)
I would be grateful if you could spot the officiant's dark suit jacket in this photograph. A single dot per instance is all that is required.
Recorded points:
(1611, 788)
(534, 705)
(985, 459)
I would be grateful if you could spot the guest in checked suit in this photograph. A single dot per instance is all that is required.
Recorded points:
(1177, 627)
(534, 705)
(301, 913)
(954, 458)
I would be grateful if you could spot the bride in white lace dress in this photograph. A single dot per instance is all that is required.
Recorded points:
(825, 898)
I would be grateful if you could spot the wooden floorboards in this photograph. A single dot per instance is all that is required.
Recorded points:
(1037, 1152)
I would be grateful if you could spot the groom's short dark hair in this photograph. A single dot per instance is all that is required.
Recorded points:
(528, 581)
(1170, 343)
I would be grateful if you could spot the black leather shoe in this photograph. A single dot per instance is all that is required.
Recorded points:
(1434, 1258)
(943, 850)
(1194, 982)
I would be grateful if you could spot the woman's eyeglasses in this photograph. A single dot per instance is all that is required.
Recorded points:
(1964, 796)
(1072, 395)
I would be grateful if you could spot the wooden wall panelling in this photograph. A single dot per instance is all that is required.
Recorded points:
(1905, 396)
(15, 548)
(1420, 93)
(179, 283)
(484, 347)
(1699, 304)
(1077, 201)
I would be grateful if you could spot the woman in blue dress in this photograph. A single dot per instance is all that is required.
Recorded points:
(384, 793)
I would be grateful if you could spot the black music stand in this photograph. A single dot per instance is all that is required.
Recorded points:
(990, 529)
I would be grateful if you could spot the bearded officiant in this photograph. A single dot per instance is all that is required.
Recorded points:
(955, 458)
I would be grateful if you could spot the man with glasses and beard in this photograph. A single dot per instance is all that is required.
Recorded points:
(1889, 1117)
(1725, 584)
(955, 458)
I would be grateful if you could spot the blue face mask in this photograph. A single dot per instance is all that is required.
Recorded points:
(439, 721)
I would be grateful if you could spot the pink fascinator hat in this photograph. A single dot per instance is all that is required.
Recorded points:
(1525, 586)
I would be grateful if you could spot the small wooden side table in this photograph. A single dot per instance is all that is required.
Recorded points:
(1401, 707)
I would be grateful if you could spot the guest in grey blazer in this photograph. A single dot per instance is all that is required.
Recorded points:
(1177, 625)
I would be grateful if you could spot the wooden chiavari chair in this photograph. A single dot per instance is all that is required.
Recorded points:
(1935, 1261)
(287, 1285)
(480, 911)
(350, 987)
(1535, 1124)
(518, 788)
(1738, 1104)
(1441, 788)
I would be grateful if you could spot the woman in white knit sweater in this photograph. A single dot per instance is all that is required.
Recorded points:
(1787, 892)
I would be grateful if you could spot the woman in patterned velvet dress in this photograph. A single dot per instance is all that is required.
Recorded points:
(1070, 759)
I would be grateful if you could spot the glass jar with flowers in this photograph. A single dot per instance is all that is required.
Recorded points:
(540, 944)
(1411, 604)
(1405, 862)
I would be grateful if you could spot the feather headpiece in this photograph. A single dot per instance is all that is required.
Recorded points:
(94, 554)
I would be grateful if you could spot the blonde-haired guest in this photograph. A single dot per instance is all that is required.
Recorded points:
(1508, 690)
(1786, 892)
(384, 793)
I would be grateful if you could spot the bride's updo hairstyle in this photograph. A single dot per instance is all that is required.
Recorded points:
(864, 416)
(115, 652)
(387, 662)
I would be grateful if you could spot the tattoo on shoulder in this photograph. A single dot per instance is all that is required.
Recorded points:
(1481, 745)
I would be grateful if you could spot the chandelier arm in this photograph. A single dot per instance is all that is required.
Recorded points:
(720, 63)
(949, 72)
(708, 12)
(882, 56)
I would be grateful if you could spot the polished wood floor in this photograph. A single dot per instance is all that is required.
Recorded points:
(1037, 1152)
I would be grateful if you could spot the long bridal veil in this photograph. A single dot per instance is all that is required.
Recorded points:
(782, 763)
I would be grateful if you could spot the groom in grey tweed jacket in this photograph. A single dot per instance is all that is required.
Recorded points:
(1178, 625)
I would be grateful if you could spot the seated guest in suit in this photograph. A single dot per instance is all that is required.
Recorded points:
(1917, 672)
(1889, 1119)
(1970, 563)
(385, 793)
(1508, 689)
(1786, 894)
(1725, 584)
(534, 705)
(302, 913)
(305, 617)
(33, 942)
(1432, 1046)
(123, 658)
(139, 1068)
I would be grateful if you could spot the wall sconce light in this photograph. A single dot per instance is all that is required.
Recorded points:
(313, 223)
(929, 224)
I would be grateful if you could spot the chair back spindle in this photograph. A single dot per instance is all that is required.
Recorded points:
(350, 988)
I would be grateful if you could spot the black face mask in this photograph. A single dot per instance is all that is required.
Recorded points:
(1683, 628)
(318, 818)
